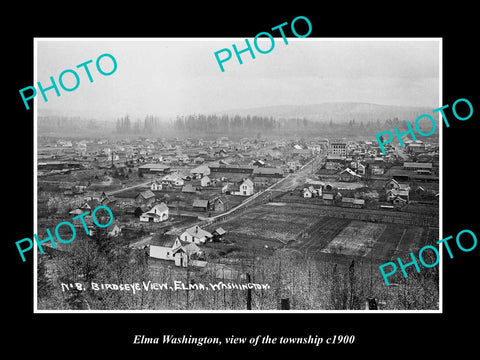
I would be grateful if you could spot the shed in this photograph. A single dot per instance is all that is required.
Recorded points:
(218, 234)
(200, 204)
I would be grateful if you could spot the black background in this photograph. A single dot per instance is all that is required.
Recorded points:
(60, 335)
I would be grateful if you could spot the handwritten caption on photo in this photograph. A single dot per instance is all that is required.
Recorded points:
(154, 286)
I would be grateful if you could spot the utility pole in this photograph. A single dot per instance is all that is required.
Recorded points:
(285, 304)
(188, 284)
(249, 294)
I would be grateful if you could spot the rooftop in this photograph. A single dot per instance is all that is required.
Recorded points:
(198, 232)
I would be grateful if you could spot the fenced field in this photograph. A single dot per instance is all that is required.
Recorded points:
(330, 235)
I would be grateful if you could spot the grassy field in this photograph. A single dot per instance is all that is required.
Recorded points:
(273, 221)
(356, 239)
(311, 232)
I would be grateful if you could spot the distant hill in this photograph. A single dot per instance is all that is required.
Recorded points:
(335, 111)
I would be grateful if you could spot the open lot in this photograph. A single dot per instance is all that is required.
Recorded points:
(317, 233)
(274, 221)
(357, 238)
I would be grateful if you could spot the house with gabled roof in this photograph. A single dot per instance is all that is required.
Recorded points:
(218, 234)
(205, 181)
(393, 184)
(156, 185)
(348, 175)
(113, 230)
(173, 179)
(395, 189)
(199, 204)
(221, 204)
(189, 188)
(89, 205)
(168, 247)
(196, 234)
(246, 188)
(200, 171)
(146, 198)
(158, 213)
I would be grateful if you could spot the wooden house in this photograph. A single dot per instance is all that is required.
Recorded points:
(328, 198)
(307, 193)
(113, 230)
(348, 175)
(158, 213)
(173, 249)
(218, 234)
(246, 188)
(199, 204)
(189, 188)
(173, 179)
(156, 185)
(205, 181)
(200, 171)
(221, 204)
(89, 205)
(196, 234)
(145, 198)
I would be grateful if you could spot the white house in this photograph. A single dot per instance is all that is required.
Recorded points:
(246, 188)
(182, 157)
(168, 248)
(311, 192)
(156, 186)
(173, 179)
(358, 167)
(394, 184)
(158, 213)
(200, 171)
(113, 230)
(307, 193)
(161, 210)
(196, 235)
(205, 181)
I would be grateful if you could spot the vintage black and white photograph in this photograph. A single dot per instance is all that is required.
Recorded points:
(256, 182)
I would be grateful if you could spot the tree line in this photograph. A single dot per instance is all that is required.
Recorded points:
(126, 126)
(224, 123)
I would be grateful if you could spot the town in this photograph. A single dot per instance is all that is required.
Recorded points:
(293, 212)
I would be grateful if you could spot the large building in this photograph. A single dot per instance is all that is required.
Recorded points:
(154, 169)
(415, 147)
(338, 148)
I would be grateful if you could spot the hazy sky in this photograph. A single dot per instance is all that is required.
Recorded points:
(166, 77)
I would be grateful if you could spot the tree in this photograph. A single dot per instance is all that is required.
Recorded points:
(44, 283)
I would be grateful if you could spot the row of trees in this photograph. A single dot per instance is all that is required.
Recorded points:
(224, 123)
(149, 124)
